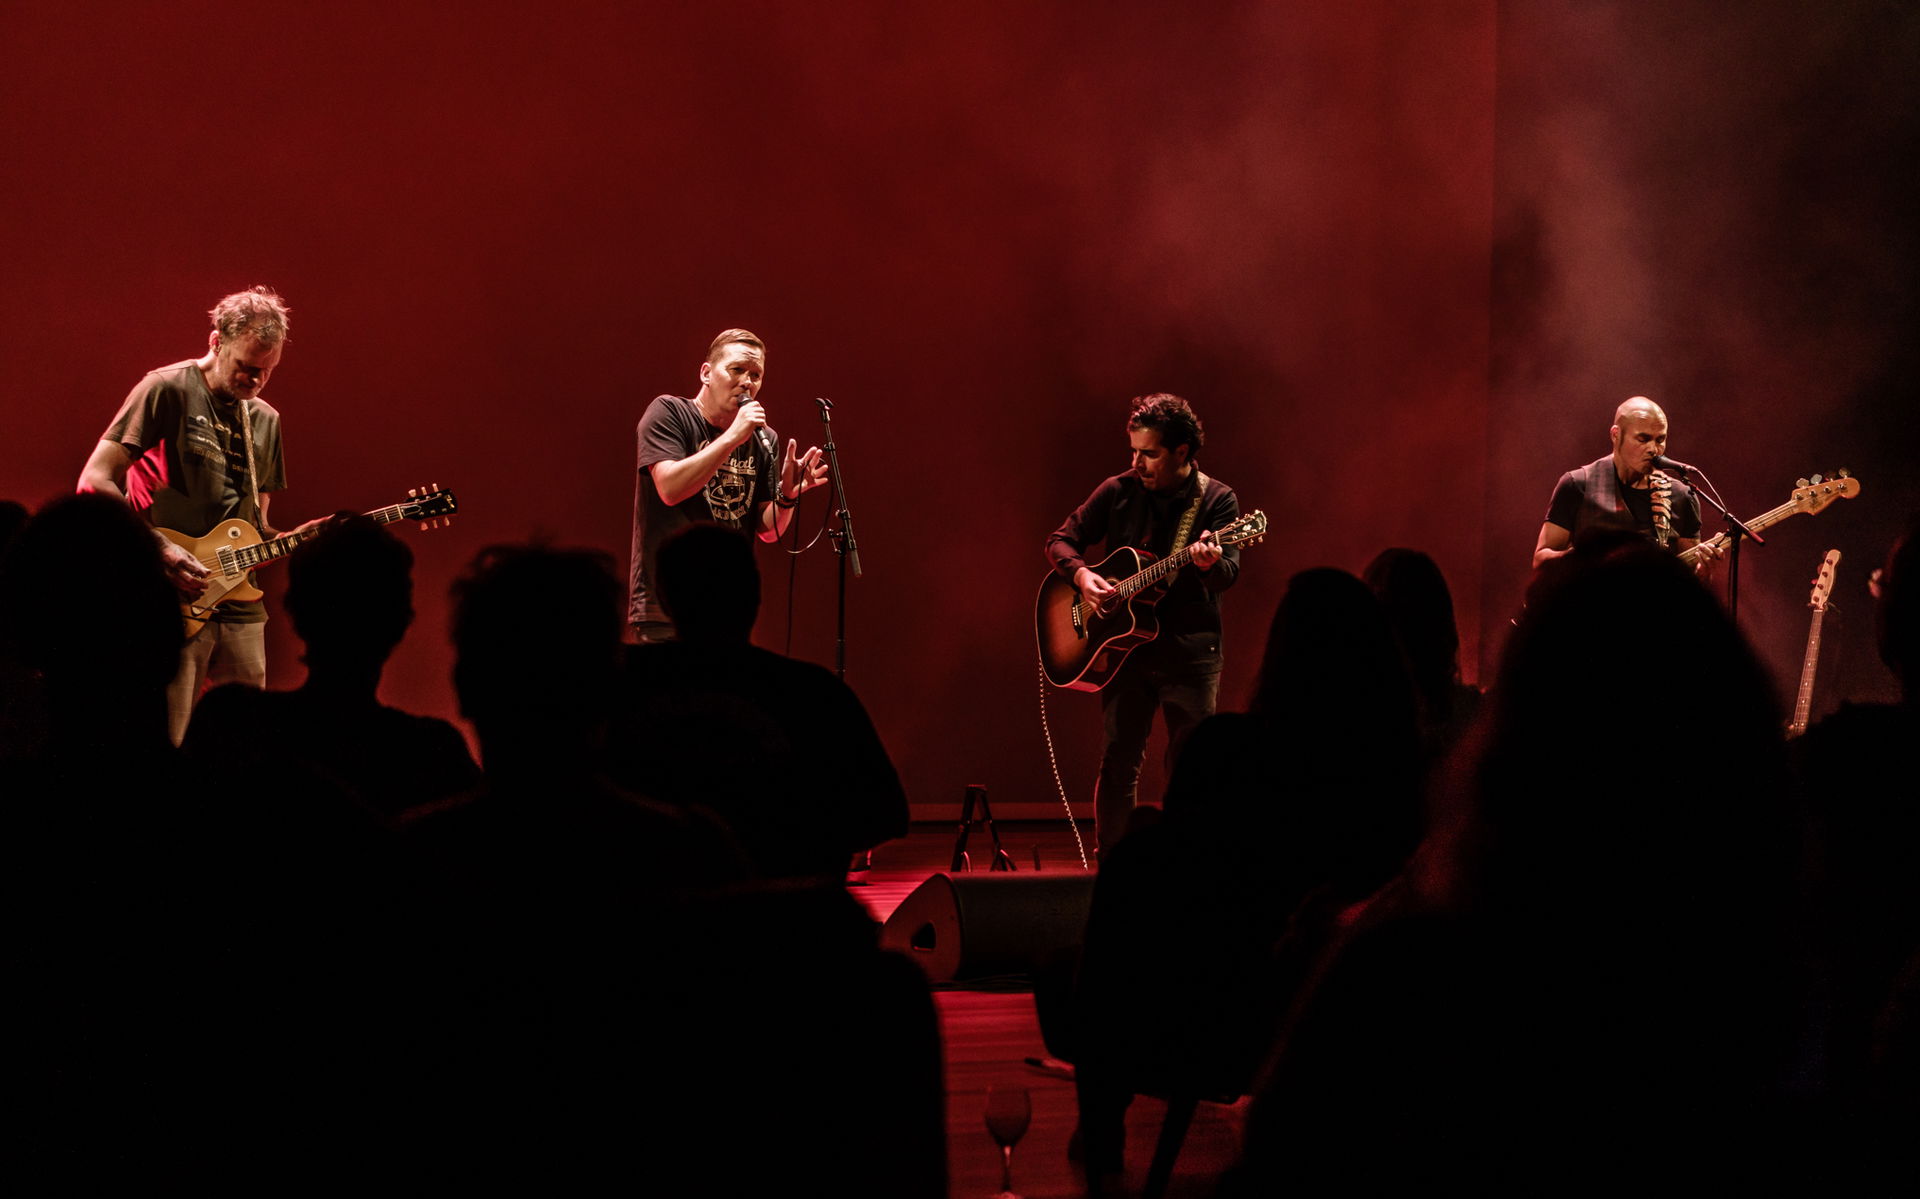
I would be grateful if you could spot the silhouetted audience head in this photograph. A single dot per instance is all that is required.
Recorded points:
(709, 583)
(1866, 861)
(1898, 610)
(1599, 940)
(536, 634)
(13, 518)
(1331, 657)
(22, 718)
(1419, 607)
(86, 601)
(1634, 735)
(350, 590)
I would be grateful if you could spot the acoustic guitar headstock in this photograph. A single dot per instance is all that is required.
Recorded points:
(1251, 528)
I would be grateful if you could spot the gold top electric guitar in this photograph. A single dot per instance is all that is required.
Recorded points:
(233, 549)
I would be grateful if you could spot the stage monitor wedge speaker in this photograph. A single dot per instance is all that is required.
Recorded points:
(962, 926)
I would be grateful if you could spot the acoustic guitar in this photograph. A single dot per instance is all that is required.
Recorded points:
(1081, 645)
(234, 548)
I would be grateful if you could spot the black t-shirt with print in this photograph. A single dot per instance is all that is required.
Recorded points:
(673, 429)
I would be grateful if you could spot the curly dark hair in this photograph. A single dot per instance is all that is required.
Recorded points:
(1171, 417)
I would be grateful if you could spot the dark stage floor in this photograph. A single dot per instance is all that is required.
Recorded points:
(988, 1034)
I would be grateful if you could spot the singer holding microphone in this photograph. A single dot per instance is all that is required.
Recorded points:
(711, 458)
(1633, 489)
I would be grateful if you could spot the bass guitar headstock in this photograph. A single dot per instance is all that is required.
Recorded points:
(1811, 495)
(1823, 582)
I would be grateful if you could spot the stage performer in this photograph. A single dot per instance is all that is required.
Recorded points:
(1162, 503)
(711, 458)
(194, 445)
(1625, 492)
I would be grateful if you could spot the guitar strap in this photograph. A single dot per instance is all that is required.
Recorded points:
(1662, 498)
(253, 489)
(1185, 530)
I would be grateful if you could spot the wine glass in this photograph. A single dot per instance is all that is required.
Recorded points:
(1009, 1110)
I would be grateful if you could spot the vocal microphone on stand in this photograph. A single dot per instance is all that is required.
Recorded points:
(1662, 462)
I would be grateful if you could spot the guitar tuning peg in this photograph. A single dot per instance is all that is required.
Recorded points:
(1845, 473)
(1817, 480)
(1801, 483)
(414, 494)
(436, 488)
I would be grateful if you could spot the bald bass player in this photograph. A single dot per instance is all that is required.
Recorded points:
(1625, 491)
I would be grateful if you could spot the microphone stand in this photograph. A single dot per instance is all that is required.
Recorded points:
(845, 547)
(847, 550)
(1737, 531)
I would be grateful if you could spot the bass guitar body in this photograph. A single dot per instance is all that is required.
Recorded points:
(227, 581)
(1082, 647)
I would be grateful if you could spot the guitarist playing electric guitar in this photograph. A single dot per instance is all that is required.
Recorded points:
(1162, 505)
(194, 445)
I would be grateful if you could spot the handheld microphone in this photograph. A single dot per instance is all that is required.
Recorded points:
(1670, 466)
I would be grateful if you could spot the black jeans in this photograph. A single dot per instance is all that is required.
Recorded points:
(1184, 692)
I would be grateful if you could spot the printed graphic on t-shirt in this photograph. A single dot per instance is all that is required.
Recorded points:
(205, 443)
(730, 490)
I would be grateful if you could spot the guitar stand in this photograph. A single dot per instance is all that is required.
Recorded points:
(961, 860)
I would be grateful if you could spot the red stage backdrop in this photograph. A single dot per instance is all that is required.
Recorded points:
(980, 230)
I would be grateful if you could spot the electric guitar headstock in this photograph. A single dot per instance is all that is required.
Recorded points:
(1823, 582)
(1811, 495)
(432, 506)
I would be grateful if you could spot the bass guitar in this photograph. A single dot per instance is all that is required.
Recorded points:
(1082, 645)
(1822, 588)
(1809, 496)
(234, 548)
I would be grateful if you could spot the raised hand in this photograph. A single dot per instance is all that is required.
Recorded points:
(802, 472)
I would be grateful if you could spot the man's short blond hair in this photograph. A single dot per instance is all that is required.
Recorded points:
(256, 312)
(743, 337)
